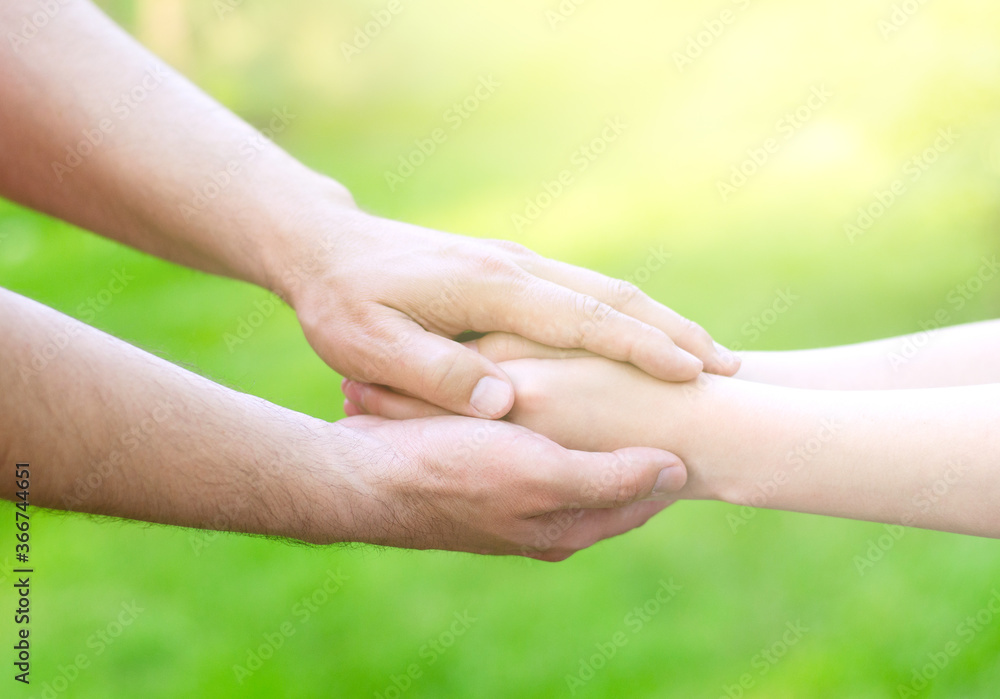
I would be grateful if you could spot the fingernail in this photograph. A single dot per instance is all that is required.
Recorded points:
(726, 355)
(670, 480)
(491, 397)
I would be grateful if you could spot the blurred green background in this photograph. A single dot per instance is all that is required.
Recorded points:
(208, 600)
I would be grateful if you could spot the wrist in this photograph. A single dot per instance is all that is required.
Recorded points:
(702, 422)
(725, 424)
(303, 239)
(306, 484)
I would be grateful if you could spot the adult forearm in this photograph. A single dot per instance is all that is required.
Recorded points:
(961, 355)
(924, 458)
(96, 130)
(112, 430)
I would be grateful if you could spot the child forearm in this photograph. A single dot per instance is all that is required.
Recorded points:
(961, 355)
(925, 458)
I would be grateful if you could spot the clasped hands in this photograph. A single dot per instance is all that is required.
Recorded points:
(453, 476)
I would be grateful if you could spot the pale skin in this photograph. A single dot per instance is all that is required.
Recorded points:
(97, 131)
(861, 432)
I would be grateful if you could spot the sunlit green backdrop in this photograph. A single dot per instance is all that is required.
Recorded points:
(892, 76)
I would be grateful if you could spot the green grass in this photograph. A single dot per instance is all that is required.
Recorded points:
(208, 602)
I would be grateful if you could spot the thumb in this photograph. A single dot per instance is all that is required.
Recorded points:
(617, 479)
(443, 372)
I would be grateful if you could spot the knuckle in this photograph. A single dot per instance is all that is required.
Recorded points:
(491, 265)
(439, 376)
(512, 248)
(593, 314)
(621, 293)
(621, 484)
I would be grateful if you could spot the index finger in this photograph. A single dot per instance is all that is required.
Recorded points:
(630, 300)
(554, 315)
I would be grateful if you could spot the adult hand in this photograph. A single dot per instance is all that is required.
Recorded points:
(381, 301)
(164, 445)
(488, 487)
